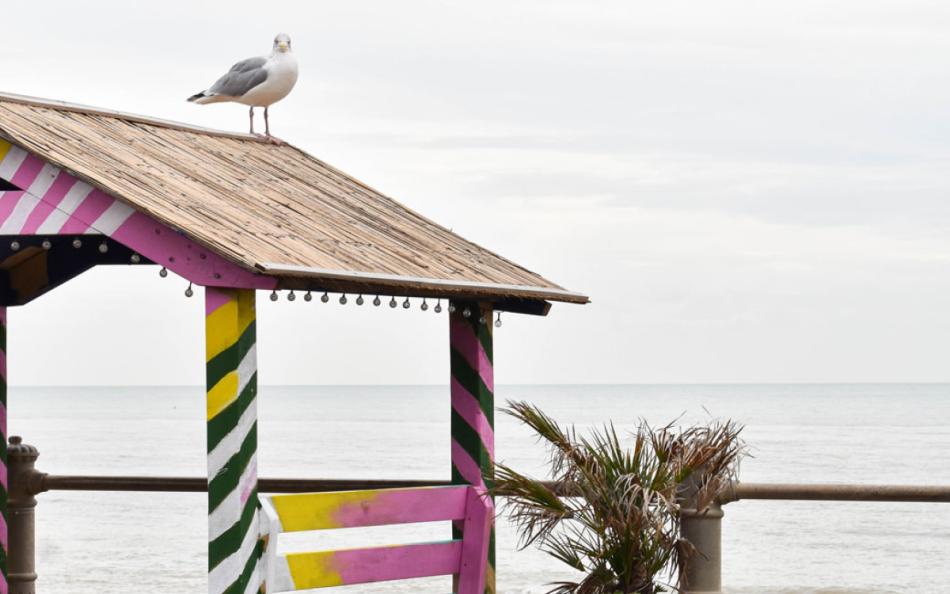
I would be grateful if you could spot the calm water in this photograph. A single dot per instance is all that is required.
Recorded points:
(104, 542)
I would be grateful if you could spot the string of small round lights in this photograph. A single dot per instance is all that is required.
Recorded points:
(360, 300)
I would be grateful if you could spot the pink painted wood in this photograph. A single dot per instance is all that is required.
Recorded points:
(392, 506)
(466, 558)
(4, 484)
(56, 203)
(479, 513)
(362, 566)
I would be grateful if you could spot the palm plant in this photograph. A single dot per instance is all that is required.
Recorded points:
(613, 512)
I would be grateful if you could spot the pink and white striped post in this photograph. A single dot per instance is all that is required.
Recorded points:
(4, 535)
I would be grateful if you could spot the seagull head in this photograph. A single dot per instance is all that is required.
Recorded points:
(282, 43)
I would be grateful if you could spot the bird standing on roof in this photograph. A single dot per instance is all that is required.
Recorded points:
(258, 82)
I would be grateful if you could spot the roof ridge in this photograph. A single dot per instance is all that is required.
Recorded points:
(121, 115)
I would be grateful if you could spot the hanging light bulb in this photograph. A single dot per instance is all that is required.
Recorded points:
(273, 295)
(467, 312)
(392, 302)
(406, 304)
(103, 247)
(291, 296)
(163, 272)
(498, 321)
(77, 243)
(438, 306)
(307, 297)
(135, 258)
(46, 244)
(325, 298)
(359, 300)
(424, 305)
(451, 307)
(376, 301)
(481, 320)
(189, 291)
(14, 245)
(343, 299)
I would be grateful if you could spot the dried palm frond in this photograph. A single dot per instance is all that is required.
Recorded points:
(617, 517)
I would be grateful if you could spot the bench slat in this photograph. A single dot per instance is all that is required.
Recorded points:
(377, 564)
(349, 509)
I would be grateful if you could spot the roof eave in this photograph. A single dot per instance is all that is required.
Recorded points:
(420, 286)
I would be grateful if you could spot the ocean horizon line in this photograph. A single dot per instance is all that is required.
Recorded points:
(512, 384)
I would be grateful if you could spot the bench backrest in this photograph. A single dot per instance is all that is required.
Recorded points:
(466, 558)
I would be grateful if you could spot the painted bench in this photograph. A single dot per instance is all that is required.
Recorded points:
(465, 558)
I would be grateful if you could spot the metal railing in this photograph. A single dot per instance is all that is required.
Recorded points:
(703, 529)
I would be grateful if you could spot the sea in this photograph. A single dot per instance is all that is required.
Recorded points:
(154, 543)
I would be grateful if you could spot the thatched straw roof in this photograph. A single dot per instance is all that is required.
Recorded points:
(273, 210)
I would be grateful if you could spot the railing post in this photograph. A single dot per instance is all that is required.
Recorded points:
(21, 517)
(704, 566)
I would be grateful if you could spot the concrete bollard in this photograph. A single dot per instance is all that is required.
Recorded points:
(704, 567)
(21, 504)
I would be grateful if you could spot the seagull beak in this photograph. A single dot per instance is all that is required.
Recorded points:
(283, 46)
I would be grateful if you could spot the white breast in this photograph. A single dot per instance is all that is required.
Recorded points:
(281, 78)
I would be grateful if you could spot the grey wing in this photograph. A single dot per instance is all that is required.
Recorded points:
(242, 77)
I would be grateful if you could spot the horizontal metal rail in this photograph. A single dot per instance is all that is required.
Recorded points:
(800, 492)
(826, 492)
(52, 482)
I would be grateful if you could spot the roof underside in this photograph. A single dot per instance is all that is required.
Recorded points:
(271, 209)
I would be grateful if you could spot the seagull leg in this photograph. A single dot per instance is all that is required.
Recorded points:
(252, 119)
(267, 136)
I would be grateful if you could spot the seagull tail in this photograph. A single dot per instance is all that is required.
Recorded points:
(202, 97)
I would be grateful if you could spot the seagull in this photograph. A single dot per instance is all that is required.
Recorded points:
(258, 82)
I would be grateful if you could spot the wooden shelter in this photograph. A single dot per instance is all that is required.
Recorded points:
(80, 187)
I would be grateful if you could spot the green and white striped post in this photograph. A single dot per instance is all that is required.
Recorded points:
(234, 548)
(473, 404)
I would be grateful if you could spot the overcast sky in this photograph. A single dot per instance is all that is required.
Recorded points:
(749, 191)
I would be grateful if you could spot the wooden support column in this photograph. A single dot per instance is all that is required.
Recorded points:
(473, 405)
(234, 549)
(4, 484)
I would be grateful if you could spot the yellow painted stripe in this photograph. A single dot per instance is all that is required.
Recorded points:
(4, 149)
(222, 394)
(226, 324)
(220, 329)
(246, 309)
(316, 511)
(313, 570)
